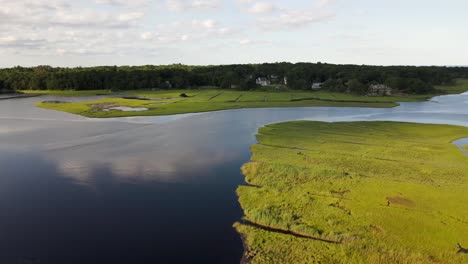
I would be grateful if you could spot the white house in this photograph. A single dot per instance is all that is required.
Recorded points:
(316, 86)
(380, 90)
(263, 81)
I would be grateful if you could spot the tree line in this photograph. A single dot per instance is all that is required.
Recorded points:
(299, 76)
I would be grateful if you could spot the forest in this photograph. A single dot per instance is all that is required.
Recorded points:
(299, 76)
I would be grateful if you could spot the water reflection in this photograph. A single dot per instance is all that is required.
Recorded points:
(47, 217)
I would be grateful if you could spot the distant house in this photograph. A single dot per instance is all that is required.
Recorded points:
(263, 81)
(379, 90)
(273, 76)
(316, 86)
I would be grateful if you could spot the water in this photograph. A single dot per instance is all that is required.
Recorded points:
(142, 189)
(460, 143)
(127, 109)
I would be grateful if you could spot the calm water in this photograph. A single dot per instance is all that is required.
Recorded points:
(144, 189)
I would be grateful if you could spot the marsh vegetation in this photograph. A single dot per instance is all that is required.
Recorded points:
(383, 192)
(204, 100)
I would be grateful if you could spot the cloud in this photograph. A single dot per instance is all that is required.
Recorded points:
(125, 3)
(245, 41)
(43, 14)
(184, 5)
(262, 8)
(205, 4)
(131, 16)
(299, 18)
(48, 28)
(182, 31)
(209, 23)
(175, 5)
(59, 27)
(249, 42)
(147, 35)
(271, 17)
(324, 3)
(23, 43)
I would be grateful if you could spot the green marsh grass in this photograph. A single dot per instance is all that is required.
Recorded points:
(167, 102)
(390, 192)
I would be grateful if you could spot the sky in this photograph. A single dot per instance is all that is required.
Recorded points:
(203, 32)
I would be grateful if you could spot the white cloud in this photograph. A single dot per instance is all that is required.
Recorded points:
(147, 35)
(209, 23)
(43, 14)
(7, 40)
(60, 51)
(297, 18)
(245, 41)
(59, 27)
(184, 5)
(249, 42)
(175, 5)
(323, 3)
(205, 4)
(270, 17)
(262, 8)
(13, 42)
(126, 3)
(183, 31)
(131, 16)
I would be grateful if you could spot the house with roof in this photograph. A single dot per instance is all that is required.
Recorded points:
(379, 90)
(263, 81)
(316, 86)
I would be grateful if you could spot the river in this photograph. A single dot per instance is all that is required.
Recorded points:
(143, 189)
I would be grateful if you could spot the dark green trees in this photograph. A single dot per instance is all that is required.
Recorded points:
(300, 76)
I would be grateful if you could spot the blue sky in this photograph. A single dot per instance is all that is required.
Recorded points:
(123, 32)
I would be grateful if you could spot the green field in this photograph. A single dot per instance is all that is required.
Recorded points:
(355, 192)
(169, 102)
(460, 86)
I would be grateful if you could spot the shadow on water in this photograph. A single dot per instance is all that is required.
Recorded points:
(46, 217)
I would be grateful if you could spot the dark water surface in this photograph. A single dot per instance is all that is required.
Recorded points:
(145, 189)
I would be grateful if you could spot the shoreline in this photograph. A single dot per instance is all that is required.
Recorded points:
(16, 96)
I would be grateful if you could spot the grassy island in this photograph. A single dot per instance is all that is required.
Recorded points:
(167, 102)
(355, 192)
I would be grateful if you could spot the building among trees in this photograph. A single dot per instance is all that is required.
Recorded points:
(316, 86)
(379, 90)
(263, 81)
